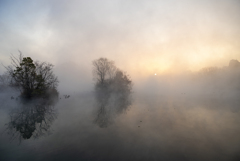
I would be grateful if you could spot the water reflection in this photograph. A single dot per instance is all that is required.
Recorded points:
(31, 119)
(113, 97)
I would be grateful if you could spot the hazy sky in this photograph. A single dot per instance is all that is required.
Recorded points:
(142, 37)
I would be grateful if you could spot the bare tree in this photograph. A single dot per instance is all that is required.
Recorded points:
(112, 91)
(103, 69)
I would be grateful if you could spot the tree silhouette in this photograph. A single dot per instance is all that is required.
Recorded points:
(32, 78)
(103, 69)
(112, 90)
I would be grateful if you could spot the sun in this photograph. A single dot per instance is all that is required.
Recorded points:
(155, 74)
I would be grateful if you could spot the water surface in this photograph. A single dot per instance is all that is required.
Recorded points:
(152, 127)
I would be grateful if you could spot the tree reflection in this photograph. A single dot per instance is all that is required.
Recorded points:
(31, 119)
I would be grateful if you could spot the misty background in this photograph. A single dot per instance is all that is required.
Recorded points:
(189, 110)
(142, 37)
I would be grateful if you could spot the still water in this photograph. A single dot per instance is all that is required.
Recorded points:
(177, 126)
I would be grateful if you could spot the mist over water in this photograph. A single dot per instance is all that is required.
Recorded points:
(193, 116)
(134, 80)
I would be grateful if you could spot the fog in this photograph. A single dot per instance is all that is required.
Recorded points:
(190, 116)
(141, 37)
(176, 96)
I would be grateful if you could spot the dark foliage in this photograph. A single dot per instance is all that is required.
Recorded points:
(33, 79)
